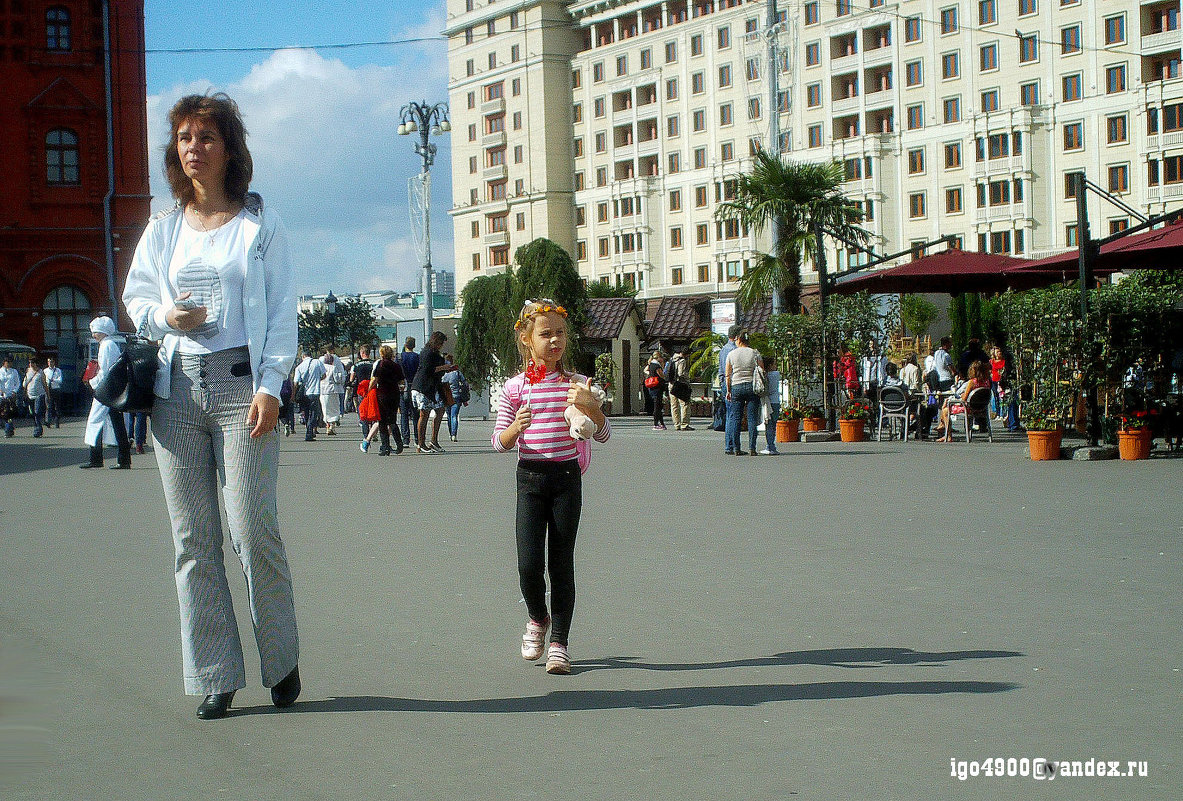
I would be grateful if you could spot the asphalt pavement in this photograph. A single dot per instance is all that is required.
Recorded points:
(845, 621)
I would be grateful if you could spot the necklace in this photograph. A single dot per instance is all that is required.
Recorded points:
(212, 233)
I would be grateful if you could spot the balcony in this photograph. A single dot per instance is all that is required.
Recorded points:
(494, 106)
(1157, 42)
(1156, 194)
(496, 172)
(496, 238)
(995, 213)
(1002, 166)
(495, 139)
(1156, 141)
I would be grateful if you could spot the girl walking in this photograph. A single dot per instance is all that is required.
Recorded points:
(549, 478)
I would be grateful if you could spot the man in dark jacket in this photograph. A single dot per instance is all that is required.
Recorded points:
(425, 391)
(409, 361)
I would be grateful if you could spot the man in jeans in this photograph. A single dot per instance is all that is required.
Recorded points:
(308, 374)
(409, 361)
(53, 379)
(732, 333)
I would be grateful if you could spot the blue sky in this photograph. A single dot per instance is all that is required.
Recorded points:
(321, 121)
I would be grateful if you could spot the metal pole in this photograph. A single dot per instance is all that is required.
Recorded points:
(773, 128)
(109, 198)
(428, 299)
(1087, 258)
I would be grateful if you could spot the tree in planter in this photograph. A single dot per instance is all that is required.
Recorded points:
(790, 197)
(795, 339)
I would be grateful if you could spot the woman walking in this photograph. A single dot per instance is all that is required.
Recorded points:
(213, 279)
(388, 382)
(655, 384)
(102, 426)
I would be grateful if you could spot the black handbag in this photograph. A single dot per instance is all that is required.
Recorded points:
(130, 385)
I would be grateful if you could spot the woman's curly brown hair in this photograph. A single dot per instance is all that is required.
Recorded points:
(224, 114)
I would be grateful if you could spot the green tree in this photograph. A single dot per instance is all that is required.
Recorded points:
(917, 313)
(959, 322)
(973, 316)
(355, 324)
(704, 356)
(313, 330)
(486, 347)
(604, 289)
(789, 198)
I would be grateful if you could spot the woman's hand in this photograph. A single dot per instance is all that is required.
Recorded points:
(264, 414)
(185, 319)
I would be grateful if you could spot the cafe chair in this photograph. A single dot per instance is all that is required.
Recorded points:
(977, 410)
(894, 404)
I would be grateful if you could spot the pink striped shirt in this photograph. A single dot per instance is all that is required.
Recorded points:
(549, 436)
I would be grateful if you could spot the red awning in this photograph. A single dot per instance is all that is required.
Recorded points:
(947, 271)
(1159, 249)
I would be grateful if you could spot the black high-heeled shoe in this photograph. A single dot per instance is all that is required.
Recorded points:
(215, 706)
(287, 691)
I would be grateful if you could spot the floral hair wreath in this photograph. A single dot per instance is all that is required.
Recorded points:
(543, 306)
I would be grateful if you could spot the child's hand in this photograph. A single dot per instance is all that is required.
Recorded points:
(580, 395)
(523, 418)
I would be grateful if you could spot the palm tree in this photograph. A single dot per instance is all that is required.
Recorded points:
(791, 197)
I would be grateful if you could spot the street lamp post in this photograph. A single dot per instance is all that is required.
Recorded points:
(425, 119)
(331, 313)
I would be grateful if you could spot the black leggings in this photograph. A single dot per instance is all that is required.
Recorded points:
(658, 396)
(550, 498)
(388, 406)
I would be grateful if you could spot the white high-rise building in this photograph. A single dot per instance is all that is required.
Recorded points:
(614, 127)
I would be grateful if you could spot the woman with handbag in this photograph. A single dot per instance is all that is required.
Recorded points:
(102, 427)
(387, 383)
(655, 385)
(212, 278)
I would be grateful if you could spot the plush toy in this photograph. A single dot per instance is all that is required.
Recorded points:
(582, 426)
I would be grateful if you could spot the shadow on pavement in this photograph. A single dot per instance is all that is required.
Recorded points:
(664, 698)
(834, 657)
(40, 454)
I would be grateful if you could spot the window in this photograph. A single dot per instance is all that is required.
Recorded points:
(811, 13)
(987, 12)
(598, 107)
(1119, 225)
(1072, 87)
(57, 29)
(700, 158)
(492, 27)
(676, 237)
(815, 136)
(951, 65)
(598, 72)
(753, 108)
(697, 83)
(999, 193)
(912, 29)
(675, 162)
(949, 20)
(752, 69)
(952, 155)
(468, 37)
(472, 165)
(727, 151)
(1070, 184)
(724, 76)
(61, 157)
(65, 312)
(602, 247)
(915, 116)
(813, 95)
(1115, 79)
(853, 169)
(469, 67)
(498, 223)
(1028, 49)
(1172, 169)
(698, 120)
(1073, 136)
(696, 45)
(916, 161)
(842, 8)
(1070, 40)
(916, 205)
(1070, 239)
(671, 89)
(700, 197)
(581, 250)
(580, 216)
(952, 109)
(515, 53)
(989, 57)
(675, 200)
(496, 190)
(492, 61)
(1000, 242)
(676, 276)
(1119, 178)
(813, 54)
(1115, 29)
(1027, 7)
(671, 126)
(517, 120)
(621, 65)
(725, 114)
(1116, 129)
(702, 234)
(577, 112)
(602, 176)
(671, 52)
(1029, 94)
(646, 58)
(517, 86)
(953, 200)
(913, 73)
(495, 157)
(601, 141)
(724, 37)
(580, 181)
(990, 100)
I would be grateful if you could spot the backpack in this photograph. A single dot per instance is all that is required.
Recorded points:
(463, 393)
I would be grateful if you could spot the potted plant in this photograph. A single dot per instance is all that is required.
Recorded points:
(853, 421)
(812, 419)
(1042, 419)
(788, 426)
(605, 373)
(1134, 435)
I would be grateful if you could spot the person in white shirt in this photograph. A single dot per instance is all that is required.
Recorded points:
(910, 374)
(331, 387)
(874, 365)
(308, 375)
(53, 379)
(10, 388)
(103, 427)
(35, 390)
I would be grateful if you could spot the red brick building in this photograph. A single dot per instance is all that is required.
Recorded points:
(62, 189)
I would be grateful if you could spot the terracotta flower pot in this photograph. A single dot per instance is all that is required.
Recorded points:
(1045, 445)
(787, 431)
(813, 424)
(853, 430)
(1134, 444)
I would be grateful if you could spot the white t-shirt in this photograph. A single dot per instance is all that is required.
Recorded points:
(212, 266)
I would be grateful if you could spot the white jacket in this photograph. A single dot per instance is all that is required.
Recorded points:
(269, 302)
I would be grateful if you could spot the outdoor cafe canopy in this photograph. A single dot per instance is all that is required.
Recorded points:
(950, 271)
(1158, 249)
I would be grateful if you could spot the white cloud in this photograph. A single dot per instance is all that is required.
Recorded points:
(327, 158)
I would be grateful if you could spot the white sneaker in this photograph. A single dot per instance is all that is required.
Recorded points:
(765, 452)
(557, 659)
(533, 639)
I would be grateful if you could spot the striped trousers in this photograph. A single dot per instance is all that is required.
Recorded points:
(203, 446)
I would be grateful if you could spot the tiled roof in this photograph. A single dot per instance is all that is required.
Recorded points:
(676, 318)
(755, 317)
(606, 316)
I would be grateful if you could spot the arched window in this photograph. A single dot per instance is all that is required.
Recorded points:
(57, 29)
(61, 156)
(66, 312)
